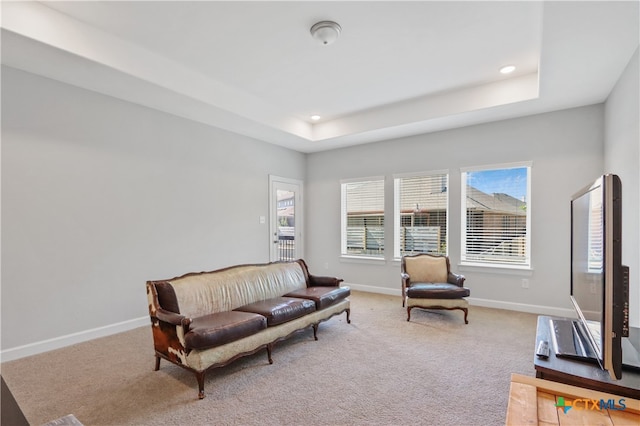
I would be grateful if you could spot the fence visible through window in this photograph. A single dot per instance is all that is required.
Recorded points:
(365, 240)
(286, 243)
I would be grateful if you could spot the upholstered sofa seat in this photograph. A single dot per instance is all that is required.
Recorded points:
(278, 310)
(322, 296)
(217, 329)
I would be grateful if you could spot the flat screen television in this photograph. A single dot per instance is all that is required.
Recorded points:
(599, 281)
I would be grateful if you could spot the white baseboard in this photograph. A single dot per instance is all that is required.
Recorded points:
(373, 289)
(523, 307)
(71, 339)
(486, 303)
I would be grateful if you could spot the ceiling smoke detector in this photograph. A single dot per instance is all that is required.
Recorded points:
(326, 32)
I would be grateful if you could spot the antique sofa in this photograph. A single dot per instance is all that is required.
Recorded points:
(428, 283)
(205, 320)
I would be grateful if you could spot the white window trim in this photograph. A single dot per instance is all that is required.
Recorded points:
(343, 220)
(527, 265)
(484, 167)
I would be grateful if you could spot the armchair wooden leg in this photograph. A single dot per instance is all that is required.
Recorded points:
(409, 312)
(200, 379)
(269, 349)
(157, 363)
(466, 312)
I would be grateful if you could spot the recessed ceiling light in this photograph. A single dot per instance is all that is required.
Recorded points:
(315, 117)
(508, 69)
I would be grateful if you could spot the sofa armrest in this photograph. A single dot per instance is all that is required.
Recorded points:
(169, 329)
(456, 279)
(173, 318)
(315, 281)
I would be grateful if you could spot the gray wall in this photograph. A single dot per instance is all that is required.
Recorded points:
(100, 195)
(566, 148)
(622, 156)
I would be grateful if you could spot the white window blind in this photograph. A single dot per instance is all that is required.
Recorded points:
(363, 218)
(496, 206)
(421, 214)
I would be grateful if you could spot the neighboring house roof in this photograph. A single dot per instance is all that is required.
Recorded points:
(496, 203)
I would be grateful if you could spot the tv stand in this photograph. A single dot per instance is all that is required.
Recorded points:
(578, 373)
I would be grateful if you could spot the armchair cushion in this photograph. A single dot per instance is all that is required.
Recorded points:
(436, 291)
(427, 269)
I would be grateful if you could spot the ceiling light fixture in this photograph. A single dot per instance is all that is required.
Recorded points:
(508, 69)
(315, 117)
(326, 32)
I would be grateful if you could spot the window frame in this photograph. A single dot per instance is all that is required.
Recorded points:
(526, 264)
(397, 214)
(344, 219)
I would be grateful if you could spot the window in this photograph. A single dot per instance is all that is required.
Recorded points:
(420, 219)
(496, 215)
(363, 218)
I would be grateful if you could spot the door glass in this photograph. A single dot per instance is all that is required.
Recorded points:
(286, 226)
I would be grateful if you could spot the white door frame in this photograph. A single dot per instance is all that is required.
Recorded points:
(294, 185)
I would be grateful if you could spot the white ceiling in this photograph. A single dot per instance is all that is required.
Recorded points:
(398, 68)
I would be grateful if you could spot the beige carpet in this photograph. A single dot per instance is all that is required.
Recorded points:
(378, 370)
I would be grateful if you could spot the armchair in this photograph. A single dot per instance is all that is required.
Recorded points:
(428, 283)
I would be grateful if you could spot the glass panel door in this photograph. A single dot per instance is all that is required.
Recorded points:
(285, 219)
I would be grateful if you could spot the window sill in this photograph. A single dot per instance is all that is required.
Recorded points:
(524, 271)
(362, 259)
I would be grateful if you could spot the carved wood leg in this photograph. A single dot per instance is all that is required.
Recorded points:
(315, 331)
(409, 312)
(200, 379)
(157, 363)
(269, 348)
(466, 312)
(348, 315)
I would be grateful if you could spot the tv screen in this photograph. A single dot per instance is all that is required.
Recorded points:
(598, 287)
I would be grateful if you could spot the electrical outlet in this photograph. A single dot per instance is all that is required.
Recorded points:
(525, 283)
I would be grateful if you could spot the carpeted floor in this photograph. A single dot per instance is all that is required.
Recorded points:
(378, 370)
